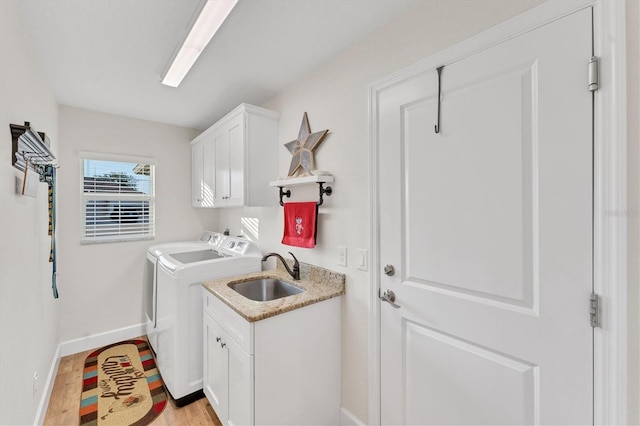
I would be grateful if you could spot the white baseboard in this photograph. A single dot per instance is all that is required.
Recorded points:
(101, 339)
(348, 419)
(47, 389)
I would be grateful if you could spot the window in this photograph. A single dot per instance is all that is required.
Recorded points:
(117, 200)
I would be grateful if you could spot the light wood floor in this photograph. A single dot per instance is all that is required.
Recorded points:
(64, 404)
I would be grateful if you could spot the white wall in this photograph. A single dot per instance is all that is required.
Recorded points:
(336, 97)
(633, 206)
(28, 312)
(101, 284)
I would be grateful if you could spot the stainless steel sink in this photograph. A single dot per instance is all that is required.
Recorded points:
(265, 289)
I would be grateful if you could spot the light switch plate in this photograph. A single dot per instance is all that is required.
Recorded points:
(362, 259)
(342, 256)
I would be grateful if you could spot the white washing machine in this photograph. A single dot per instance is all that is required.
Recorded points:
(207, 240)
(179, 307)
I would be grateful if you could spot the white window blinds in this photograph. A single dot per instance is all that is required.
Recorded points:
(118, 200)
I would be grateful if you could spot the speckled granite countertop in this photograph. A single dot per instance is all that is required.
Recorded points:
(319, 284)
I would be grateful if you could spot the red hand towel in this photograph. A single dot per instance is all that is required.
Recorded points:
(300, 224)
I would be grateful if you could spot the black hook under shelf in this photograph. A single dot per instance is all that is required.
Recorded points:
(321, 189)
(286, 193)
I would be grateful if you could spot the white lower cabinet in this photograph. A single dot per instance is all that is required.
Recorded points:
(228, 375)
(282, 370)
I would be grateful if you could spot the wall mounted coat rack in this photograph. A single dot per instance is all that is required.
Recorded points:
(30, 153)
(29, 148)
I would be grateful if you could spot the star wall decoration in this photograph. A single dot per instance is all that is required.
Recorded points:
(303, 147)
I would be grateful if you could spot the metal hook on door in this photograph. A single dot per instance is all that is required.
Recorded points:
(439, 69)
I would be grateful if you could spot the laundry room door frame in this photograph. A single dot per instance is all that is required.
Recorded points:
(609, 192)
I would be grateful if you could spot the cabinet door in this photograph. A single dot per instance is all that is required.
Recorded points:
(208, 178)
(228, 145)
(237, 172)
(241, 388)
(216, 367)
(202, 178)
(221, 167)
(196, 174)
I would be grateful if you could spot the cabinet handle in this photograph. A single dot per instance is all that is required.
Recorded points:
(218, 339)
(223, 344)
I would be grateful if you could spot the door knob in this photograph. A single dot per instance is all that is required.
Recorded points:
(390, 297)
(389, 270)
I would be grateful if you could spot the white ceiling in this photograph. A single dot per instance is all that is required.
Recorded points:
(108, 55)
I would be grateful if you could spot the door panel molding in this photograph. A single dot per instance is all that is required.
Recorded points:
(518, 243)
(610, 257)
(517, 381)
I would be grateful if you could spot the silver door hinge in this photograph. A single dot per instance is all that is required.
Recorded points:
(594, 310)
(593, 74)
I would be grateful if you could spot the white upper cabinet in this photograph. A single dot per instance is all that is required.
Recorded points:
(239, 156)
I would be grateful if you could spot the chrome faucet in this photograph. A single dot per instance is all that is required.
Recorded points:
(296, 265)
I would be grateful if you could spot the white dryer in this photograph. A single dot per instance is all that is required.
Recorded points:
(207, 240)
(179, 307)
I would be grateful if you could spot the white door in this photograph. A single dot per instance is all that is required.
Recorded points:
(488, 225)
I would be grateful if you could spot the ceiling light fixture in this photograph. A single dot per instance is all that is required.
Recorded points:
(208, 22)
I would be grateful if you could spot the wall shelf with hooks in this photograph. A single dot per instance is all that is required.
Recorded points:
(29, 148)
(304, 180)
(30, 153)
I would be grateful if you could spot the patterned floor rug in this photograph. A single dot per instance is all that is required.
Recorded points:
(121, 386)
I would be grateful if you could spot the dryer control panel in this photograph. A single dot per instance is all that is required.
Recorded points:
(235, 245)
(230, 246)
(213, 238)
